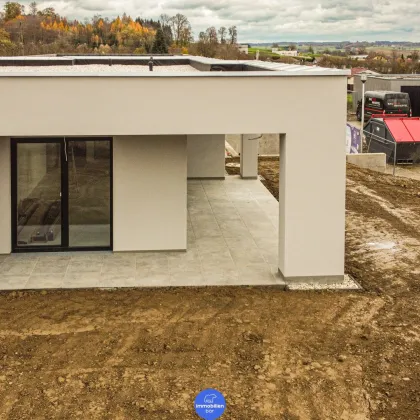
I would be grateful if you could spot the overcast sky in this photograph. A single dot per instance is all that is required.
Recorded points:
(270, 20)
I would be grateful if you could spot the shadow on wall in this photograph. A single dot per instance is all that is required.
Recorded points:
(269, 144)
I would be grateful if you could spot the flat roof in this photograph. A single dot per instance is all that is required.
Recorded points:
(97, 68)
(164, 66)
(392, 76)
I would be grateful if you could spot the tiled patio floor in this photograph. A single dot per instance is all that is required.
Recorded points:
(232, 240)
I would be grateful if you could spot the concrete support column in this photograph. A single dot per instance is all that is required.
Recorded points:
(312, 202)
(206, 156)
(249, 156)
(6, 196)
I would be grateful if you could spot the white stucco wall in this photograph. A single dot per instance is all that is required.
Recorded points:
(192, 105)
(206, 156)
(312, 181)
(5, 196)
(150, 193)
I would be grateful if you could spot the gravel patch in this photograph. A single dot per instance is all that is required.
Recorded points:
(347, 284)
(98, 68)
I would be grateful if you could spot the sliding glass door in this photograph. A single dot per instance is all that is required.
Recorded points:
(62, 196)
(38, 194)
(89, 193)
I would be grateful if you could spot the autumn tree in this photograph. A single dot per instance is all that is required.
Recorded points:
(7, 47)
(12, 10)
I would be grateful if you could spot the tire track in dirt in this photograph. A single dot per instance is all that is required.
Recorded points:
(404, 215)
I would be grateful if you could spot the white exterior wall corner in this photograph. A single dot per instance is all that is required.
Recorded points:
(5, 196)
(150, 193)
(206, 156)
(312, 193)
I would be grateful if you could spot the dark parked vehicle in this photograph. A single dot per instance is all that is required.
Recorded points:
(386, 103)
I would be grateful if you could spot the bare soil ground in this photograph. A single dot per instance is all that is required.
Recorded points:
(145, 354)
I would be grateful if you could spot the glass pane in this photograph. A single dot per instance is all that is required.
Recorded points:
(38, 194)
(89, 193)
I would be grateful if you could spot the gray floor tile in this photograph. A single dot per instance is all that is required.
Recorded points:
(265, 242)
(236, 232)
(30, 256)
(13, 281)
(187, 278)
(51, 265)
(152, 279)
(151, 255)
(81, 280)
(115, 280)
(208, 232)
(17, 267)
(218, 266)
(126, 266)
(187, 261)
(45, 281)
(85, 266)
(244, 257)
(245, 242)
(254, 279)
(211, 244)
(270, 255)
(221, 278)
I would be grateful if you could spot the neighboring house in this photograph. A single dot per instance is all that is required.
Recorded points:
(243, 48)
(354, 72)
(95, 153)
(287, 53)
(408, 83)
(359, 57)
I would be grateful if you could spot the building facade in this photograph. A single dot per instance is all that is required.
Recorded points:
(99, 158)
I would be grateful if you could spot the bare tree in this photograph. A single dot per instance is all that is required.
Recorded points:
(33, 8)
(222, 34)
(233, 35)
(181, 29)
(212, 35)
(165, 20)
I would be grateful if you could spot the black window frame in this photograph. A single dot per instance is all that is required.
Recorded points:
(64, 247)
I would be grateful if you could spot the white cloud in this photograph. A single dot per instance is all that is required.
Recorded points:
(270, 20)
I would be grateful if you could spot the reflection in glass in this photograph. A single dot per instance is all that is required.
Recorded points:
(38, 194)
(89, 166)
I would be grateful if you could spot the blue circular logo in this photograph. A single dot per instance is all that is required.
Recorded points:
(210, 404)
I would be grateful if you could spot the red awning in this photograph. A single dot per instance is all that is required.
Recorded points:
(404, 130)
